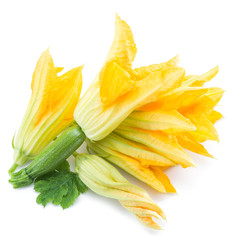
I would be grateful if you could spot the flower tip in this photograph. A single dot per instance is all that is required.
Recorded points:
(175, 60)
(117, 17)
(210, 156)
(47, 51)
(194, 165)
(172, 190)
(214, 71)
(164, 217)
(13, 142)
(149, 222)
(188, 164)
(162, 189)
(78, 69)
(181, 70)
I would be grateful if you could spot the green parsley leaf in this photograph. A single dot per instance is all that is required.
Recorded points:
(61, 187)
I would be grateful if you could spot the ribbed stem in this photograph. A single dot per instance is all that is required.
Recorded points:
(52, 156)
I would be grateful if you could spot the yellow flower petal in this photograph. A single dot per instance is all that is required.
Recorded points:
(123, 48)
(59, 69)
(214, 116)
(142, 72)
(146, 157)
(159, 142)
(114, 82)
(172, 121)
(147, 221)
(163, 178)
(147, 205)
(205, 103)
(187, 77)
(129, 164)
(204, 128)
(200, 106)
(198, 81)
(188, 142)
(176, 99)
(215, 94)
(55, 92)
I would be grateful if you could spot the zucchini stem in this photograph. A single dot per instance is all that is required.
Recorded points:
(52, 156)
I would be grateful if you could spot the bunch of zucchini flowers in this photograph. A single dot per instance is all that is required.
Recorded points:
(139, 119)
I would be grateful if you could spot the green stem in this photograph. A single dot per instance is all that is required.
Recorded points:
(13, 167)
(52, 156)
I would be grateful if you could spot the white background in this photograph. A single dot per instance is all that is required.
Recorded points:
(81, 32)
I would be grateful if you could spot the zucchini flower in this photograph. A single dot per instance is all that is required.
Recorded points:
(118, 89)
(139, 118)
(155, 136)
(50, 109)
(103, 179)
